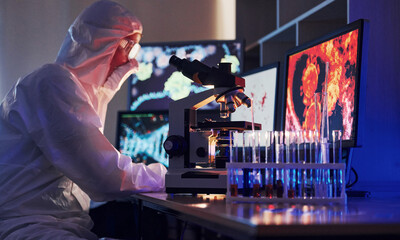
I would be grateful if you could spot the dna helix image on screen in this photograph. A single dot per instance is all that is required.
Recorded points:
(141, 136)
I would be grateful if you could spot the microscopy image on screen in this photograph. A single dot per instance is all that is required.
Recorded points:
(261, 88)
(141, 136)
(158, 83)
(306, 75)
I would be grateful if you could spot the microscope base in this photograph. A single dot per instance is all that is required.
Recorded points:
(195, 181)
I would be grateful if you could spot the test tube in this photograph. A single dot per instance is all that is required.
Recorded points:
(326, 184)
(290, 142)
(257, 183)
(234, 147)
(269, 158)
(314, 153)
(309, 178)
(337, 146)
(248, 156)
(313, 146)
(325, 116)
(301, 173)
(337, 158)
(234, 139)
(326, 188)
(279, 146)
(279, 158)
(246, 171)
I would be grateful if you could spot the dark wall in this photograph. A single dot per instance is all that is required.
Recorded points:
(378, 160)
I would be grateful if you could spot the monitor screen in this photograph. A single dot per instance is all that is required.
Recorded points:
(261, 86)
(341, 54)
(141, 135)
(157, 83)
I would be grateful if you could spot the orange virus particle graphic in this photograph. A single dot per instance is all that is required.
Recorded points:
(306, 76)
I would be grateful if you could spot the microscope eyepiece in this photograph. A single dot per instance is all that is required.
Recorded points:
(190, 69)
(205, 75)
(218, 77)
(176, 62)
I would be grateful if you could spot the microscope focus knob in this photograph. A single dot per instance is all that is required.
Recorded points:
(201, 152)
(175, 145)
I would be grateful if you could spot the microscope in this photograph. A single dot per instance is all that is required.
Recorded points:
(198, 151)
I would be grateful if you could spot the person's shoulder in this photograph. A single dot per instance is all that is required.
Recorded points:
(53, 71)
(51, 80)
(53, 75)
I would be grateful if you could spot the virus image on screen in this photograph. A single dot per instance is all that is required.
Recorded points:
(157, 83)
(306, 74)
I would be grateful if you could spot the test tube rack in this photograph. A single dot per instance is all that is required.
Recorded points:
(304, 183)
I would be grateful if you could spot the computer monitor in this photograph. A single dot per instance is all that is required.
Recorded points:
(345, 52)
(261, 87)
(158, 83)
(141, 135)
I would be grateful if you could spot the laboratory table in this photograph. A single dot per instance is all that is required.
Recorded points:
(377, 217)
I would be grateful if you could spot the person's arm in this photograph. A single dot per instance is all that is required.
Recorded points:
(66, 129)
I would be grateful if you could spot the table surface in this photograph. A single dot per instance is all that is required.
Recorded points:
(378, 215)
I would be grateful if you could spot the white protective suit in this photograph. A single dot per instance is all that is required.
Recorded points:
(53, 154)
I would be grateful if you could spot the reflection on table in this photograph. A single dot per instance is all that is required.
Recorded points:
(375, 216)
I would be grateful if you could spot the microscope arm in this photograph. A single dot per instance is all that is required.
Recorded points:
(193, 102)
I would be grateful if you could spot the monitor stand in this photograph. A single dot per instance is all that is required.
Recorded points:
(350, 192)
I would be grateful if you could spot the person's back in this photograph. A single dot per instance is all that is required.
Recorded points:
(32, 189)
(53, 154)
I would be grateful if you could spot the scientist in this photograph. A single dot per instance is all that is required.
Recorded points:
(54, 157)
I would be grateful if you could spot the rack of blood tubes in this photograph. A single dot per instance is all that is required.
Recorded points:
(283, 166)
